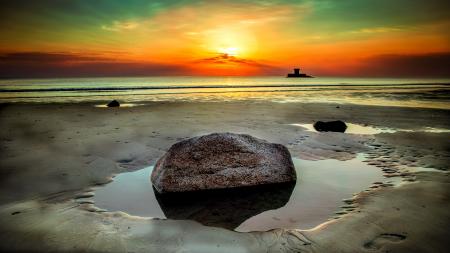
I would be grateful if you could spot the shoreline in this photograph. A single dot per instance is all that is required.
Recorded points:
(441, 105)
(74, 147)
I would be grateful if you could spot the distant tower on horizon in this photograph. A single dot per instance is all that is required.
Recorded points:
(297, 74)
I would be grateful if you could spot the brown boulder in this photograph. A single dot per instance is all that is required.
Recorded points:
(222, 160)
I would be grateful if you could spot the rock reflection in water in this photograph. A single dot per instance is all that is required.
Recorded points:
(317, 195)
(226, 208)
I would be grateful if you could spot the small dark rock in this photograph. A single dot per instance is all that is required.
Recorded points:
(330, 126)
(113, 103)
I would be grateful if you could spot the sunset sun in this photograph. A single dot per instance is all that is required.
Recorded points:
(230, 51)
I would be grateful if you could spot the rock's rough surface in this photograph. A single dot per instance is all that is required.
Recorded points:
(113, 103)
(222, 160)
(330, 126)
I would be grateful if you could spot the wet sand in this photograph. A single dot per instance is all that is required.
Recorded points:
(52, 156)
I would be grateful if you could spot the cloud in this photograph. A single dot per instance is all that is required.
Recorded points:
(382, 13)
(48, 65)
(64, 64)
(224, 64)
(118, 26)
(414, 65)
(229, 59)
(44, 57)
(375, 30)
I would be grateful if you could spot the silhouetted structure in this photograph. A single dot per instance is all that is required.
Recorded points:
(297, 74)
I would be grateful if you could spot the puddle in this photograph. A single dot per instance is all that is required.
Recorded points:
(321, 187)
(130, 192)
(121, 105)
(361, 129)
(421, 169)
(315, 197)
(353, 129)
(435, 130)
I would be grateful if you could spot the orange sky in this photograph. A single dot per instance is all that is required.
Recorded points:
(345, 38)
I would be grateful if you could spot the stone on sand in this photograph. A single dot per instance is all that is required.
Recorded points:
(330, 126)
(113, 103)
(222, 160)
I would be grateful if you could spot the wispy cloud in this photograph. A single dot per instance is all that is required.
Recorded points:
(375, 30)
(404, 65)
(225, 64)
(118, 26)
(65, 64)
(44, 57)
(229, 59)
(192, 33)
(393, 65)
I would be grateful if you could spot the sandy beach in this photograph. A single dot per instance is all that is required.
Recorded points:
(54, 155)
(231, 126)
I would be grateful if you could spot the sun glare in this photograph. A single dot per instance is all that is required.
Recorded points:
(230, 51)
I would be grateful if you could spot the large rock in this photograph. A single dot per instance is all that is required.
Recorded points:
(330, 126)
(222, 160)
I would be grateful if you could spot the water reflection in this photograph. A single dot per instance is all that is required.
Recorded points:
(131, 193)
(353, 129)
(366, 129)
(321, 186)
(317, 194)
(225, 208)
(423, 93)
(121, 105)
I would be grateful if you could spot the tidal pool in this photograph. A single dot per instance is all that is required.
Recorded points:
(361, 129)
(315, 197)
(121, 105)
(353, 129)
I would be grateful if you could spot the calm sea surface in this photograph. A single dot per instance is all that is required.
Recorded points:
(427, 93)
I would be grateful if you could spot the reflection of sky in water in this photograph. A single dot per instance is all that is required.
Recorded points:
(353, 129)
(121, 105)
(435, 130)
(318, 193)
(320, 188)
(360, 129)
(130, 192)
(425, 93)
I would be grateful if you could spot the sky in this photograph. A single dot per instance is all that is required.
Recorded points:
(363, 38)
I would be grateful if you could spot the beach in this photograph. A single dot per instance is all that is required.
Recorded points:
(54, 155)
(231, 126)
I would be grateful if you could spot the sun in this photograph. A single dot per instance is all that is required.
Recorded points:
(229, 41)
(230, 51)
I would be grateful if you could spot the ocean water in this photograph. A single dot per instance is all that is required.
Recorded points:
(427, 93)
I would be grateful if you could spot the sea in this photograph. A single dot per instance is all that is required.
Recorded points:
(406, 92)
